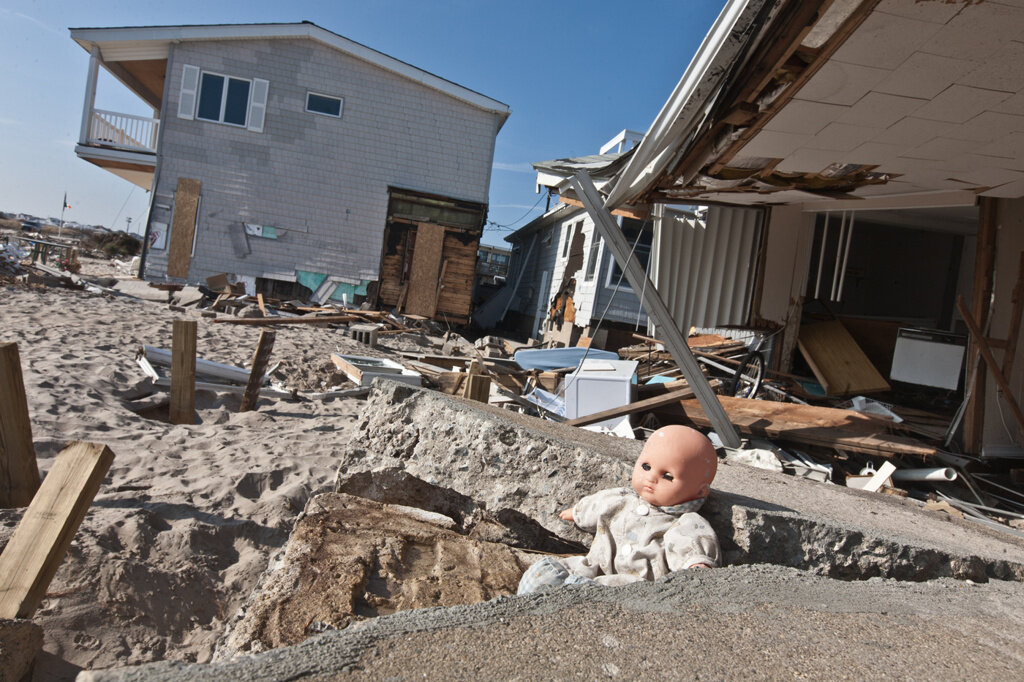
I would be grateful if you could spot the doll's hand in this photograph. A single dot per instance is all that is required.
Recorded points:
(700, 566)
(567, 515)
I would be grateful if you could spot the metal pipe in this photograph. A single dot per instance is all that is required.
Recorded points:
(839, 254)
(846, 255)
(938, 474)
(821, 255)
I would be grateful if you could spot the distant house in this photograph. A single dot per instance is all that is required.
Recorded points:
(298, 161)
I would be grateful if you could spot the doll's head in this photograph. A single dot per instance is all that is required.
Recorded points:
(676, 465)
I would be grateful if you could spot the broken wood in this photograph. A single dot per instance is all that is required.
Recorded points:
(259, 367)
(825, 426)
(39, 543)
(19, 473)
(839, 364)
(183, 372)
(1016, 310)
(633, 408)
(259, 302)
(478, 384)
(312, 319)
(993, 366)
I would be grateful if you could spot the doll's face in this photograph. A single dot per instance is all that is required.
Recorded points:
(677, 465)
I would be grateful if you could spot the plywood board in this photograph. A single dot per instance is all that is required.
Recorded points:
(19, 473)
(426, 263)
(839, 364)
(183, 227)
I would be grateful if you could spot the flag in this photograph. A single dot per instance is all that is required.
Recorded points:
(66, 204)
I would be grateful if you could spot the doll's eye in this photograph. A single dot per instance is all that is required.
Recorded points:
(668, 477)
(645, 466)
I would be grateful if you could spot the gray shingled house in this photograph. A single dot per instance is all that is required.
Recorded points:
(287, 155)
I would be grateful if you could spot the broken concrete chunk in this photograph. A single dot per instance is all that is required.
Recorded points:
(509, 461)
(350, 558)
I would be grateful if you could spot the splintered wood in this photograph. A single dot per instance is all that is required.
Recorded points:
(37, 547)
(839, 364)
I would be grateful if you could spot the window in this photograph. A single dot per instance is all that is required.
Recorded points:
(223, 99)
(631, 230)
(592, 256)
(323, 104)
(499, 258)
(570, 230)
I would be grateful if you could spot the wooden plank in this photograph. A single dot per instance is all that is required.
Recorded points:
(183, 372)
(351, 371)
(633, 408)
(986, 354)
(837, 361)
(636, 214)
(19, 473)
(808, 424)
(478, 384)
(259, 367)
(426, 262)
(440, 282)
(39, 543)
(183, 227)
(261, 304)
(310, 319)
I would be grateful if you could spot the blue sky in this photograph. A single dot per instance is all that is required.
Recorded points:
(574, 74)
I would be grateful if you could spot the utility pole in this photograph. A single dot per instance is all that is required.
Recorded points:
(128, 221)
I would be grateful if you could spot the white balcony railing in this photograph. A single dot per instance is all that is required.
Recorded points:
(123, 131)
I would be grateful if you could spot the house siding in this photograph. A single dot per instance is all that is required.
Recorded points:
(320, 181)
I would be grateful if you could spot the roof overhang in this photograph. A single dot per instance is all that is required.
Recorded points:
(133, 43)
(841, 101)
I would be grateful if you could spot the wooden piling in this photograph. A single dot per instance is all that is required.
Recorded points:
(259, 367)
(19, 473)
(183, 372)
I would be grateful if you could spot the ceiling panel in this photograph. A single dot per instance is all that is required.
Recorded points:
(878, 110)
(978, 35)
(838, 83)
(925, 75)
(885, 41)
(960, 103)
(800, 116)
(1004, 71)
(933, 12)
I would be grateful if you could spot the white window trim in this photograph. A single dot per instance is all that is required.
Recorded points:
(597, 258)
(341, 104)
(224, 99)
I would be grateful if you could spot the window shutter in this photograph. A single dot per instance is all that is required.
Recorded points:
(189, 87)
(258, 105)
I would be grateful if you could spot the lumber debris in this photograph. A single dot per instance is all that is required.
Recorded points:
(39, 543)
(259, 367)
(839, 364)
(19, 473)
(810, 425)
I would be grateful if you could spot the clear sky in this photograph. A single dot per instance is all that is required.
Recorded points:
(574, 73)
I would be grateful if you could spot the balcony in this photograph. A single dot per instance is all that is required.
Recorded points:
(123, 144)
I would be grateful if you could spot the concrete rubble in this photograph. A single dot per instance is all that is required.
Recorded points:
(466, 465)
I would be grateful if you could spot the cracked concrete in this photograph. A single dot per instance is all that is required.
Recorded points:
(537, 467)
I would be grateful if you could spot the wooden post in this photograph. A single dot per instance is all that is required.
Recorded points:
(986, 354)
(478, 384)
(38, 545)
(1016, 311)
(183, 372)
(19, 473)
(259, 367)
(984, 264)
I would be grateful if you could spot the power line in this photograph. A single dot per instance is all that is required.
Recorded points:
(509, 226)
(122, 208)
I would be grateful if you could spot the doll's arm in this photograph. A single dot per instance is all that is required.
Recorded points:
(691, 543)
(567, 515)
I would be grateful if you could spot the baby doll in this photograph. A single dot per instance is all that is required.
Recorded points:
(648, 531)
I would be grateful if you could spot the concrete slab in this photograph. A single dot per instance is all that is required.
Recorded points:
(741, 622)
(536, 467)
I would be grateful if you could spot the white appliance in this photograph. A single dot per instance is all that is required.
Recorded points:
(928, 357)
(598, 385)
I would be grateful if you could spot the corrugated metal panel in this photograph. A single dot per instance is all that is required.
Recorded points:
(705, 271)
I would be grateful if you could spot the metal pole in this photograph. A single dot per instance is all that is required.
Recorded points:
(821, 256)
(675, 342)
(846, 256)
(839, 257)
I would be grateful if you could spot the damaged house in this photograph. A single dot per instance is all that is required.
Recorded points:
(301, 162)
(881, 143)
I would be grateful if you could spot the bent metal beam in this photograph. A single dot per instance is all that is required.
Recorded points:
(656, 309)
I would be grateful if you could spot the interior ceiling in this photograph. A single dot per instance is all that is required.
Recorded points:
(924, 96)
(956, 220)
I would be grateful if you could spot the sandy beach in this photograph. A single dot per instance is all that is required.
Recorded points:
(188, 516)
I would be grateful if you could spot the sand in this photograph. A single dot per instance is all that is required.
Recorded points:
(188, 516)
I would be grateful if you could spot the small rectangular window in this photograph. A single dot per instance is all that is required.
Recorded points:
(323, 104)
(223, 99)
(592, 254)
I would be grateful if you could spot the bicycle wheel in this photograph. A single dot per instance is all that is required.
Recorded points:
(749, 375)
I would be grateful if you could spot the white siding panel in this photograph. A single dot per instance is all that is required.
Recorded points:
(705, 272)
